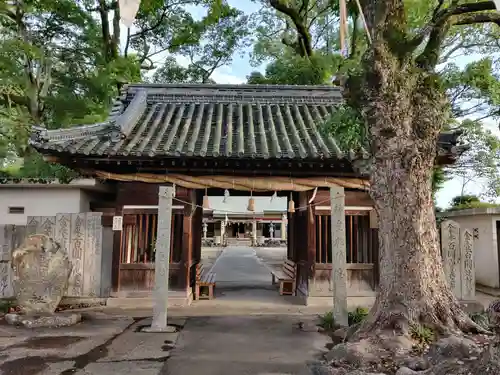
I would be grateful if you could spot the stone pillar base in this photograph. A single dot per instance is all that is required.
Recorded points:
(167, 329)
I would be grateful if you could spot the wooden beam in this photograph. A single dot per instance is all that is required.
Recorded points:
(51, 159)
(187, 239)
(116, 256)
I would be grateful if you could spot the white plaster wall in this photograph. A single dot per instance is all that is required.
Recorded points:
(40, 202)
(85, 199)
(485, 248)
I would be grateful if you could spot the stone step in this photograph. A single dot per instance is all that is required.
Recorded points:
(145, 300)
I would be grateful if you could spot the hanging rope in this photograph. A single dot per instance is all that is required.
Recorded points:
(363, 19)
(300, 208)
(255, 184)
(344, 26)
(344, 29)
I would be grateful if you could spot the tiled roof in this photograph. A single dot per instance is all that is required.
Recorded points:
(231, 121)
(206, 120)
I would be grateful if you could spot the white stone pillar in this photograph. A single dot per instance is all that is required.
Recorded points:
(222, 230)
(254, 233)
(162, 261)
(338, 238)
(205, 229)
(283, 227)
(271, 230)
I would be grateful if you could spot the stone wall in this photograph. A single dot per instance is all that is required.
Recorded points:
(84, 239)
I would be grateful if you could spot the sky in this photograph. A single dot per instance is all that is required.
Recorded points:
(240, 68)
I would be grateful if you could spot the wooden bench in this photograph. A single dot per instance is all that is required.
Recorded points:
(204, 280)
(286, 277)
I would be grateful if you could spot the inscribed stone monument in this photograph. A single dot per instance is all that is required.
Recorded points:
(450, 244)
(468, 283)
(457, 246)
(41, 273)
(338, 238)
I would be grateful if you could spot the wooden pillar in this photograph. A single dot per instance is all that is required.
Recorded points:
(311, 235)
(187, 239)
(289, 234)
(338, 238)
(374, 246)
(162, 261)
(116, 255)
(198, 227)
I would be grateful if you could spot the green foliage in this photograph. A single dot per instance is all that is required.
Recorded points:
(62, 62)
(466, 206)
(439, 177)
(6, 304)
(481, 319)
(223, 31)
(474, 89)
(348, 128)
(34, 167)
(479, 164)
(422, 334)
(464, 202)
(327, 321)
(464, 199)
(296, 70)
(357, 316)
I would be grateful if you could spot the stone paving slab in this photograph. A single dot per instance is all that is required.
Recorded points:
(137, 346)
(53, 351)
(57, 368)
(123, 368)
(253, 345)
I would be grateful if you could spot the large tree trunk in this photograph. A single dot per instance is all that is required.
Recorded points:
(405, 111)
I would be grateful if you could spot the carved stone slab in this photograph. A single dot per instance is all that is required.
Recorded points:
(338, 238)
(450, 245)
(162, 259)
(76, 253)
(468, 281)
(41, 273)
(92, 255)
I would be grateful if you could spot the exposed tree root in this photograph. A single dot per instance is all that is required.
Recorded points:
(388, 338)
(444, 318)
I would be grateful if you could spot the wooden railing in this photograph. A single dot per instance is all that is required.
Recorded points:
(138, 242)
(361, 240)
(139, 238)
(361, 252)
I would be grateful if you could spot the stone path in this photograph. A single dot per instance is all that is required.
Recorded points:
(244, 345)
(239, 266)
(102, 346)
(256, 345)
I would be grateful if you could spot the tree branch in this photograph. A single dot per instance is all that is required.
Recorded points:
(469, 19)
(298, 21)
(441, 16)
(442, 20)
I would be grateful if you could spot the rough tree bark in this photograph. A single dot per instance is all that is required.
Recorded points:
(405, 108)
(405, 111)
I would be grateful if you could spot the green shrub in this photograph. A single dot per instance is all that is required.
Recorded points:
(5, 304)
(327, 321)
(481, 319)
(422, 334)
(357, 316)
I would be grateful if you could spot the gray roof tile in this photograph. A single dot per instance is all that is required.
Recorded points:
(205, 120)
